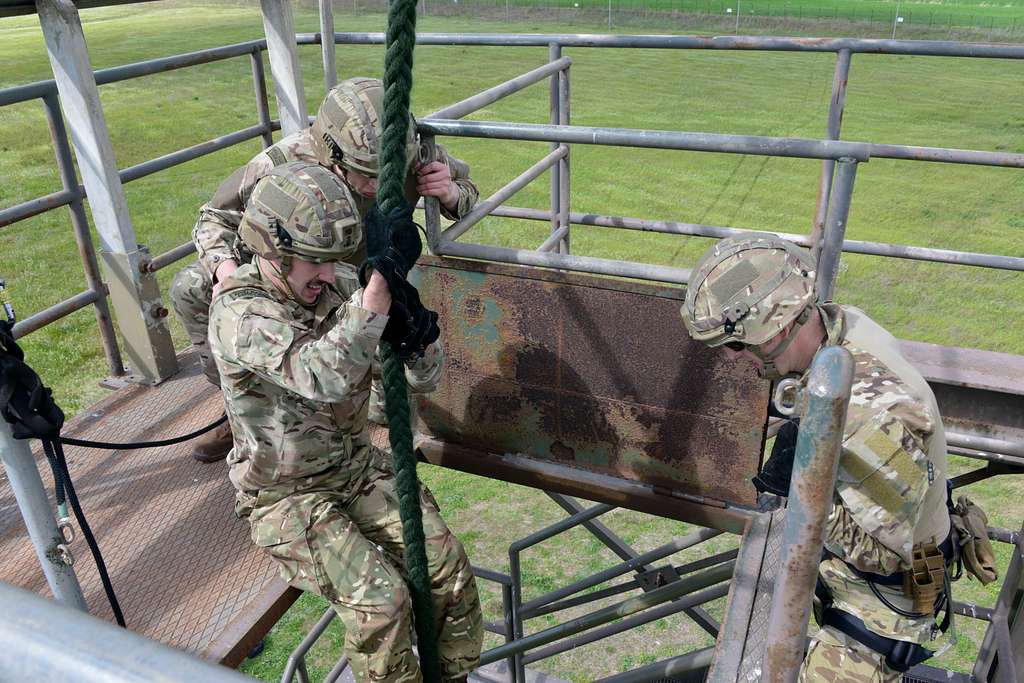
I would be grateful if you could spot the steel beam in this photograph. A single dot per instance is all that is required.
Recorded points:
(835, 230)
(284, 65)
(835, 119)
(135, 295)
(491, 95)
(327, 46)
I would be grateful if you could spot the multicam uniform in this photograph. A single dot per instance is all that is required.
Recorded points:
(319, 497)
(890, 496)
(216, 232)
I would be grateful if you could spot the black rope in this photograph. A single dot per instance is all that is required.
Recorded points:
(142, 444)
(55, 454)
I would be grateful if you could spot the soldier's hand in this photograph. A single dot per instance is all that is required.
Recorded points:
(435, 180)
(392, 245)
(411, 327)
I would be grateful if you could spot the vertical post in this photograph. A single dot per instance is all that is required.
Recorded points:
(284, 65)
(27, 485)
(555, 52)
(259, 84)
(835, 120)
(563, 163)
(835, 229)
(134, 292)
(432, 205)
(609, 15)
(69, 181)
(810, 498)
(327, 44)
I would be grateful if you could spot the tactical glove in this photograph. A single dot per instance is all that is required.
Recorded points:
(778, 469)
(392, 245)
(411, 327)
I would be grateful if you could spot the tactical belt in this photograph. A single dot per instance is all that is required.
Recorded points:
(896, 578)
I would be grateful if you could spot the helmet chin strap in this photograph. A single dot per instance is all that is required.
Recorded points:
(770, 370)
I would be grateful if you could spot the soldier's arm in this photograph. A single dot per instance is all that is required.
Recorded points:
(468, 193)
(883, 478)
(216, 232)
(258, 335)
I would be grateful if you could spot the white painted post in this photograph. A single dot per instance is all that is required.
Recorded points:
(134, 293)
(327, 44)
(284, 65)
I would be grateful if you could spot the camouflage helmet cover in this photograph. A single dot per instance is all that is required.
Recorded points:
(301, 209)
(747, 289)
(349, 123)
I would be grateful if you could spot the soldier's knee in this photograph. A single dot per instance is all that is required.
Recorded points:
(191, 291)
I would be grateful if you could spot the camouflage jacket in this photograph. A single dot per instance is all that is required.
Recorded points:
(296, 379)
(216, 232)
(891, 488)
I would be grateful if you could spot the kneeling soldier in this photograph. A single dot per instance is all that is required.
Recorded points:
(883, 578)
(294, 344)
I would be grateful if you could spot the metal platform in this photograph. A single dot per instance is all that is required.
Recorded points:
(182, 565)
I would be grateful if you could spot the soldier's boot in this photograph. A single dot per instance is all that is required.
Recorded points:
(214, 445)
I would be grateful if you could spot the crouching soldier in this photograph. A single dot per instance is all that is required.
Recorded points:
(294, 344)
(883, 578)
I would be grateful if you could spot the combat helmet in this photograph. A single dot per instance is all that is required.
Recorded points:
(301, 209)
(348, 127)
(748, 288)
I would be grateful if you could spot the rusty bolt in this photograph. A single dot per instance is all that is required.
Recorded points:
(159, 312)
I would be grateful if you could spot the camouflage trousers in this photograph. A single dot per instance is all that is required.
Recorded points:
(835, 658)
(191, 293)
(343, 541)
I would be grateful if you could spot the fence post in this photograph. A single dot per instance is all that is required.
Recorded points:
(835, 119)
(554, 53)
(259, 84)
(134, 292)
(69, 180)
(563, 163)
(327, 44)
(284, 65)
(831, 249)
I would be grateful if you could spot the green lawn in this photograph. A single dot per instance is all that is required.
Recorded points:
(922, 101)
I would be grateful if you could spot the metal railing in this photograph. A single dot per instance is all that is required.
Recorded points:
(73, 194)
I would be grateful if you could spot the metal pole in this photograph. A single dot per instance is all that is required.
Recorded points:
(83, 236)
(259, 84)
(284, 65)
(37, 512)
(554, 53)
(835, 119)
(497, 92)
(135, 294)
(666, 670)
(810, 498)
(563, 163)
(327, 44)
(835, 229)
(45, 642)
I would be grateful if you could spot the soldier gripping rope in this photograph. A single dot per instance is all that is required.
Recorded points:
(294, 341)
(344, 137)
(884, 577)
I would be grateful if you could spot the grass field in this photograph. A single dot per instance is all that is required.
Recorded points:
(923, 101)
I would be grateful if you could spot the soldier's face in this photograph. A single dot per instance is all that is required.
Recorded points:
(307, 279)
(361, 184)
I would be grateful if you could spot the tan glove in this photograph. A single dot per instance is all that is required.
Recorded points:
(971, 526)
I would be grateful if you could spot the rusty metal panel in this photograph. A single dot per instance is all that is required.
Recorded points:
(589, 372)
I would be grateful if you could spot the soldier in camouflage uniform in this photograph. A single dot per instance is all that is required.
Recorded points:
(754, 296)
(344, 137)
(293, 343)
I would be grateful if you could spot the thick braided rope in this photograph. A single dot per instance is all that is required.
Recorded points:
(401, 39)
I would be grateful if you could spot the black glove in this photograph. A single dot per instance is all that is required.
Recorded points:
(411, 327)
(392, 245)
(778, 469)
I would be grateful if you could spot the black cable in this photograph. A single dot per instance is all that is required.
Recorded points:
(55, 454)
(142, 444)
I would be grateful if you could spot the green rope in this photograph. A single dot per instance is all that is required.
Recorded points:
(401, 39)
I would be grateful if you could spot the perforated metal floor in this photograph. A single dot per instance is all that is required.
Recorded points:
(181, 563)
